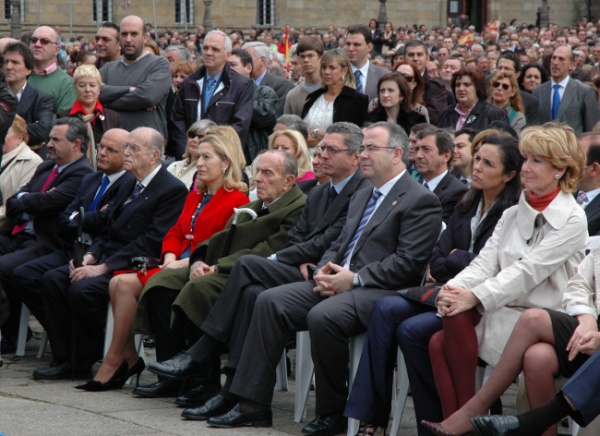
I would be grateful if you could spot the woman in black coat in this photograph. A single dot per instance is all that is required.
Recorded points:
(337, 100)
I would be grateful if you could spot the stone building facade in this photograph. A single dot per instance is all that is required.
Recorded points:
(80, 16)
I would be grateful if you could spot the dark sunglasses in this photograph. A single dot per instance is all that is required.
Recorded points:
(408, 77)
(192, 135)
(43, 41)
(503, 85)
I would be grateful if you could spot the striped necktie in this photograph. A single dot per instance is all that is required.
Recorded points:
(361, 226)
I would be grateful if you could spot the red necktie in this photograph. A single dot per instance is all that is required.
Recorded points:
(18, 228)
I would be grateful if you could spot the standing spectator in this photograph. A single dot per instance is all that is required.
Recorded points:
(375, 35)
(366, 75)
(108, 46)
(505, 95)
(138, 84)
(47, 76)
(310, 51)
(388, 38)
(214, 91)
(532, 75)
(36, 107)
(508, 62)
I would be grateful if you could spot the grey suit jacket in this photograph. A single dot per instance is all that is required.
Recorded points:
(394, 248)
(281, 88)
(319, 225)
(578, 108)
(375, 73)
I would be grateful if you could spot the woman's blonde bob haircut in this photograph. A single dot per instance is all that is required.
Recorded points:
(558, 145)
(302, 154)
(87, 72)
(226, 143)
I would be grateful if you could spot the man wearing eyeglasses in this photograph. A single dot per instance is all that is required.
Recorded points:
(320, 224)
(384, 245)
(47, 76)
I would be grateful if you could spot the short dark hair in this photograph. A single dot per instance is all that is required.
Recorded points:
(244, 56)
(360, 29)
(443, 140)
(310, 43)
(23, 50)
(77, 131)
(111, 25)
(415, 43)
(471, 133)
(510, 56)
(476, 77)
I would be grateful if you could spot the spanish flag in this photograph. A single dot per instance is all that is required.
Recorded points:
(493, 25)
(467, 38)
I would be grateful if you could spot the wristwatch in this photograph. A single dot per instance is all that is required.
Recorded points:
(355, 281)
(216, 268)
(314, 133)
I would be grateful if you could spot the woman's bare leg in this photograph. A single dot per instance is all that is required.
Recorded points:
(125, 290)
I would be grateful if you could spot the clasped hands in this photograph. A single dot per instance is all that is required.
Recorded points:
(87, 270)
(453, 300)
(586, 338)
(332, 279)
(199, 268)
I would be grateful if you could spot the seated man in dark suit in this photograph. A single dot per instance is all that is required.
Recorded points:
(589, 185)
(320, 224)
(98, 194)
(433, 156)
(190, 292)
(35, 106)
(384, 245)
(78, 296)
(35, 208)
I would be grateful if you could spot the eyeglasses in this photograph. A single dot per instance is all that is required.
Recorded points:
(504, 86)
(408, 77)
(330, 149)
(192, 135)
(371, 148)
(44, 41)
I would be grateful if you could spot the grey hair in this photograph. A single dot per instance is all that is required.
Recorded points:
(397, 137)
(228, 42)
(184, 53)
(77, 130)
(353, 136)
(156, 141)
(260, 48)
(202, 126)
(294, 122)
(290, 164)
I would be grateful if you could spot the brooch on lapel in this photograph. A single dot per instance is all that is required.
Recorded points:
(394, 202)
(471, 119)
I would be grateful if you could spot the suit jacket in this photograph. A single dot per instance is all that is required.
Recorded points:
(94, 221)
(350, 105)
(479, 118)
(44, 207)
(140, 227)
(319, 225)
(450, 190)
(394, 248)
(262, 236)
(435, 97)
(375, 73)
(578, 106)
(592, 212)
(37, 108)
(532, 110)
(281, 88)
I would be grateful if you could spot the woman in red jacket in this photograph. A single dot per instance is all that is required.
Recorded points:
(205, 212)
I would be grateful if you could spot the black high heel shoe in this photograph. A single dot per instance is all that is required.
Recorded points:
(136, 369)
(116, 381)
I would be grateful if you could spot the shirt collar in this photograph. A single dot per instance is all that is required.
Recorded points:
(260, 78)
(122, 60)
(48, 70)
(79, 109)
(339, 186)
(387, 187)
(363, 70)
(150, 176)
(563, 83)
(436, 181)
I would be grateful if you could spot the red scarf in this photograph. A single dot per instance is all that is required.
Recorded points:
(540, 202)
(79, 109)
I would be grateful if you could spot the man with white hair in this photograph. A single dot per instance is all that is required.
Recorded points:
(215, 91)
(261, 56)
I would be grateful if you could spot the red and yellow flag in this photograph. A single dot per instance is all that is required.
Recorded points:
(467, 38)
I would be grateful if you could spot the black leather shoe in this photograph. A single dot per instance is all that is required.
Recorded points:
(215, 406)
(327, 425)
(197, 396)
(236, 418)
(63, 371)
(495, 425)
(180, 367)
(159, 389)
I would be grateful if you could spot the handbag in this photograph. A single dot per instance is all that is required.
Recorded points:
(144, 263)
(422, 294)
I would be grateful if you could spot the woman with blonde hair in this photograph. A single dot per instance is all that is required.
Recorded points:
(535, 249)
(337, 100)
(506, 95)
(18, 165)
(293, 143)
(219, 189)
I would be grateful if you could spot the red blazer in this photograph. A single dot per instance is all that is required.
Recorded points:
(212, 219)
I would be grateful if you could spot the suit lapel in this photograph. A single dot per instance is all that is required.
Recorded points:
(442, 185)
(565, 102)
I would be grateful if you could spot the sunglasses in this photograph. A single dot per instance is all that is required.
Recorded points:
(44, 41)
(408, 77)
(192, 135)
(503, 85)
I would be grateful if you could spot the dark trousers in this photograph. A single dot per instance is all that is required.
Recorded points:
(75, 311)
(396, 320)
(583, 389)
(281, 311)
(230, 316)
(169, 342)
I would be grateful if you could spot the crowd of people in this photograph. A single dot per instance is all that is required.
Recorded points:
(435, 191)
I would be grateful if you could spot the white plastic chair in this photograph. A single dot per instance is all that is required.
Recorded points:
(22, 335)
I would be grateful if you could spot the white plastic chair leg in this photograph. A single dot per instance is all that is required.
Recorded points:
(356, 346)
(401, 394)
(281, 371)
(23, 327)
(304, 374)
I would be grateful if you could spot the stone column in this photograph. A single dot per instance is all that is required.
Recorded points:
(382, 13)
(207, 23)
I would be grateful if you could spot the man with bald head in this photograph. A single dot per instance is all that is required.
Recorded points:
(137, 85)
(46, 75)
(564, 99)
(72, 295)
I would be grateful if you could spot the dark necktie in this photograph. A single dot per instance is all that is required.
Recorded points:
(357, 77)
(555, 101)
(209, 88)
(99, 194)
(134, 194)
(582, 198)
(18, 228)
(332, 196)
(361, 226)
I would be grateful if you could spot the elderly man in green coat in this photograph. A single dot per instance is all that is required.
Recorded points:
(175, 302)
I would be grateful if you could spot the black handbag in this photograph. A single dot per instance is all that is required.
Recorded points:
(423, 294)
(144, 263)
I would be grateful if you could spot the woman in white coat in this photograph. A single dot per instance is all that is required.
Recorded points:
(535, 249)
(18, 165)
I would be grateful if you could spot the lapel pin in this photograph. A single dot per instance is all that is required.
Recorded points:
(394, 202)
